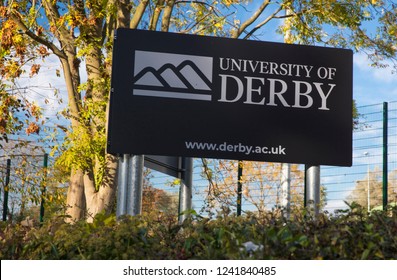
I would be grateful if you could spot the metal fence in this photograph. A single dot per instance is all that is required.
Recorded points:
(374, 161)
(215, 181)
(374, 167)
(23, 180)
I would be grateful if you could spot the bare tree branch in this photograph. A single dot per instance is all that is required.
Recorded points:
(272, 16)
(238, 31)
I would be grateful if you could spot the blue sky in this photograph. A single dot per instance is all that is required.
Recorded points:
(372, 85)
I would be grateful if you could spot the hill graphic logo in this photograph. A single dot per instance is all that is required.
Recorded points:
(172, 75)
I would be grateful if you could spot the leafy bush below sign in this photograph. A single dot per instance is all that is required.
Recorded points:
(350, 235)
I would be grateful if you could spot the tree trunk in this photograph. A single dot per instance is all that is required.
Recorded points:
(76, 204)
(102, 199)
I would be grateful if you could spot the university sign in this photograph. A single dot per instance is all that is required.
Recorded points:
(197, 96)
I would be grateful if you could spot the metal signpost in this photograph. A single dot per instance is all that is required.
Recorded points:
(184, 97)
(185, 193)
(312, 186)
(130, 181)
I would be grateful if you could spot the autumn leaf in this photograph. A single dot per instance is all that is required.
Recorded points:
(34, 70)
(32, 128)
(43, 52)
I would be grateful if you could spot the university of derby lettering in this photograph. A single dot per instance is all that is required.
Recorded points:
(263, 90)
(251, 82)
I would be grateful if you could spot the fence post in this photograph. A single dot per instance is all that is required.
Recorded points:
(5, 202)
(43, 187)
(239, 186)
(385, 156)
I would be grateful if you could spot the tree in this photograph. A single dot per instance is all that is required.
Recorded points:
(373, 181)
(155, 200)
(16, 113)
(392, 188)
(79, 33)
(261, 184)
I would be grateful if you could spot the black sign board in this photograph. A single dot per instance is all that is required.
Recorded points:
(198, 96)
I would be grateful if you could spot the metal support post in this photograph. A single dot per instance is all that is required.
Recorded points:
(312, 185)
(385, 156)
(239, 186)
(5, 202)
(285, 188)
(135, 185)
(185, 193)
(43, 187)
(122, 185)
(130, 185)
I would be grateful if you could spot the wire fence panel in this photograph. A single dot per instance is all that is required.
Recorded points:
(392, 153)
(215, 181)
(362, 183)
(351, 183)
(27, 179)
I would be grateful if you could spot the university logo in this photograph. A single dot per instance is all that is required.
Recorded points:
(172, 75)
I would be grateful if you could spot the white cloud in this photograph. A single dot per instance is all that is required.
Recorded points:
(363, 64)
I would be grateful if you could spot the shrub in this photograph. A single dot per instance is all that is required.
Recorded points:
(350, 235)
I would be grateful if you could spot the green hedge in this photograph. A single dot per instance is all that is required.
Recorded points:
(350, 235)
